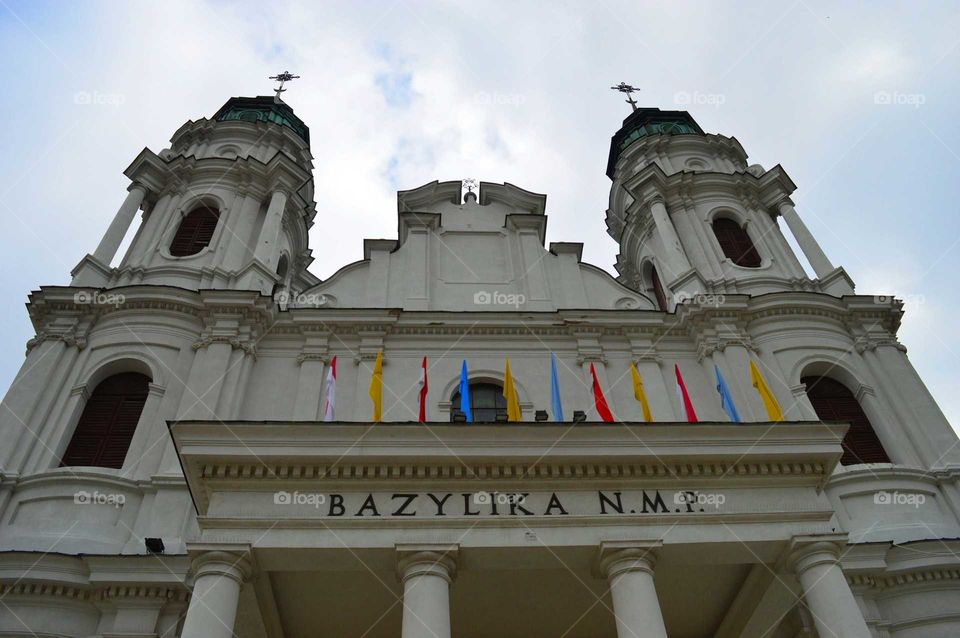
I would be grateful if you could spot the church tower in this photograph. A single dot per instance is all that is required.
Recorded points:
(693, 218)
(227, 206)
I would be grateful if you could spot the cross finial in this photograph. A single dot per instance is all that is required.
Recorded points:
(623, 87)
(469, 196)
(286, 76)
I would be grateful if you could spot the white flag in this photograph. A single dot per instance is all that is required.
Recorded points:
(329, 401)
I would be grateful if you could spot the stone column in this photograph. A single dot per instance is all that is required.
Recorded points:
(121, 223)
(218, 576)
(629, 569)
(426, 573)
(675, 258)
(307, 403)
(815, 255)
(829, 599)
(266, 250)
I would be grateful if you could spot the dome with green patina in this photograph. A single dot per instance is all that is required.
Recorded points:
(649, 121)
(263, 109)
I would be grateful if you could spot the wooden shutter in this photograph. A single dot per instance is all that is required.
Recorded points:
(736, 243)
(658, 289)
(109, 419)
(834, 402)
(195, 232)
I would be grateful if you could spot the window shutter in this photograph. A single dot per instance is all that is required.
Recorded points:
(736, 243)
(658, 289)
(108, 422)
(834, 402)
(195, 232)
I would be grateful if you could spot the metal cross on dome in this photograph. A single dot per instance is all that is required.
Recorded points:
(286, 76)
(623, 87)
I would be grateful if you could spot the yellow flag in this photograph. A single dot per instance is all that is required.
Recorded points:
(769, 401)
(376, 388)
(639, 394)
(510, 394)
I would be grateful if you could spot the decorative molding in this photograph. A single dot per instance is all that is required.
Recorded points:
(256, 471)
(96, 594)
(248, 346)
(886, 581)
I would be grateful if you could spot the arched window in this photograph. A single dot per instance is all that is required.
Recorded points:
(658, 289)
(486, 402)
(108, 422)
(195, 232)
(282, 266)
(834, 402)
(736, 243)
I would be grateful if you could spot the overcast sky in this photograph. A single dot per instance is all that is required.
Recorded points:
(858, 102)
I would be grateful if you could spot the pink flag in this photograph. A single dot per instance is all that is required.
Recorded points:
(423, 391)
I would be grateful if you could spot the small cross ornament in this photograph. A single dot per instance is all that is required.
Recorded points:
(623, 87)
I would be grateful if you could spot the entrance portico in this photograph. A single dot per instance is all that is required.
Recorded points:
(428, 531)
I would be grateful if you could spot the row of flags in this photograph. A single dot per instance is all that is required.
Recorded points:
(770, 404)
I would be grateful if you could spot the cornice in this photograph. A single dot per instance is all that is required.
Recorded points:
(543, 471)
(96, 594)
(887, 581)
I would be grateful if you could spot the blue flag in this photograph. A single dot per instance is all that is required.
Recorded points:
(465, 392)
(725, 399)
(555, 403)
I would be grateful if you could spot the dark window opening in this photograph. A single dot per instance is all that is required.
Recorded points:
(658, 289)
(736, 243)
(834, 402)
(486, 402)
(108, 421)
(195, 232)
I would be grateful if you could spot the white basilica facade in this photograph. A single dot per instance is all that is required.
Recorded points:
(165, 470)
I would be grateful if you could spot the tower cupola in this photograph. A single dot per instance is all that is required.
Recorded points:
(693, 218)
(227, 205)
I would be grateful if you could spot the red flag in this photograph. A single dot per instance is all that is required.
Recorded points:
(331, 394)
(599, 400)
(423, 391)
(685, 403)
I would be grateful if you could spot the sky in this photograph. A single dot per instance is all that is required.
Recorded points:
(855, 100)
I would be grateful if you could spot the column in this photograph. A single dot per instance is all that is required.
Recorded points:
(266, 250)
(426, 573)
(218, 576)
(306, 404)
(815, 255)
(629, 570)
(829, 599)
(121, 223)
(676, 259)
